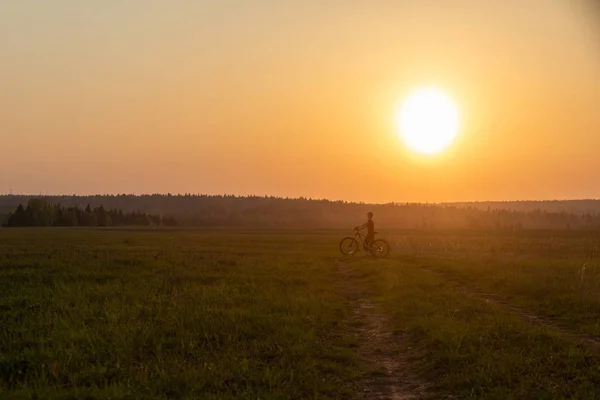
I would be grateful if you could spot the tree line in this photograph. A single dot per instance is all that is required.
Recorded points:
(304, 213)
(39, 212)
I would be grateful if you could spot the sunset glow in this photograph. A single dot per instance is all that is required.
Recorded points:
(428, 121)
(424, 101)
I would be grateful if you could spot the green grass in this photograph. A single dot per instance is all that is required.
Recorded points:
(183, 313)
(553, 274)
(168, 314)
(468, 348)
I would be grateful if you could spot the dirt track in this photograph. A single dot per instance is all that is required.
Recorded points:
(387, 372)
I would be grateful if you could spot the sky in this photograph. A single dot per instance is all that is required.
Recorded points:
(298, 98)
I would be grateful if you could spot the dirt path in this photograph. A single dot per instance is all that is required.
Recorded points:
(388, 375)
(591, 343)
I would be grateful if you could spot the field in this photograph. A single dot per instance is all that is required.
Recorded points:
(186, 314)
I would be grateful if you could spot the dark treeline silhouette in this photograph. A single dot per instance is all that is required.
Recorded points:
(302, 213)
(40, 212)
(579, 207)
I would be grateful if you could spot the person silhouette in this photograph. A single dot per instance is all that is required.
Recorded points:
(370, 225)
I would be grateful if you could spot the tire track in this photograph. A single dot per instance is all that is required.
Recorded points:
(388, 374)
(591, 343)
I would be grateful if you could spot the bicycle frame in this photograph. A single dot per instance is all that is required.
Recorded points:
(361, 237)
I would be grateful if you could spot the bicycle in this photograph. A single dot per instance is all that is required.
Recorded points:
(349, 245)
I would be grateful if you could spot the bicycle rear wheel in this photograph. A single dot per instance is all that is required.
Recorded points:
(349, 246)
(380, 248)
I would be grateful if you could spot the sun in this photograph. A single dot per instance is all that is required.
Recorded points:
(428, 121)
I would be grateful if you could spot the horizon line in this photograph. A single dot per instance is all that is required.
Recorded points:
(167, 194)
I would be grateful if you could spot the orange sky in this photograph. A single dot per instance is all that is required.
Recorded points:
(297, 98)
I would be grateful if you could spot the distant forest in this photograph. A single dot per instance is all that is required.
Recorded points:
(302, 213)
(39, 212)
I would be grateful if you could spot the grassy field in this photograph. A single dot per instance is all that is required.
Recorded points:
(169, 314)
(185, 314)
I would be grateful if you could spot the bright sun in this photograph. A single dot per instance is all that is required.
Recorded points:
(428, 121)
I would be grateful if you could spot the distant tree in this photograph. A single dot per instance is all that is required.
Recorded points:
(18, 218)
(156, 220)
(102, 217)
(85, 218)
(67, 217)
(41, 213)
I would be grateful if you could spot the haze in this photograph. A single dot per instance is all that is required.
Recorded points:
(297, 98)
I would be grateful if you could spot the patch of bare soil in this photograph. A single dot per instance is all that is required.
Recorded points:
(387, 371)
(593, 344)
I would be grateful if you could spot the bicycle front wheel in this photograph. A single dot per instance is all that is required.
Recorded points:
(349, 246)
(380, 248)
